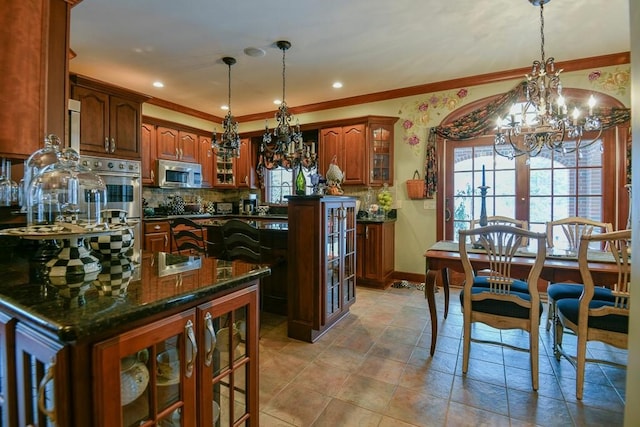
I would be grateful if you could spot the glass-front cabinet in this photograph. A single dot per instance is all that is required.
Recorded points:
(157, 374)
(381, 158)
(322, 263)
(340, 259)
(228, 361)
(224, 170)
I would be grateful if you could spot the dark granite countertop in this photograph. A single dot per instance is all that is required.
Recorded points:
(82, 308)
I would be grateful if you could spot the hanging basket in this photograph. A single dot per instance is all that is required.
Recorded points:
(416, 187)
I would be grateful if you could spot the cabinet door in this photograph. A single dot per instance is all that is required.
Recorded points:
(205, 158)
(354, 140)
(148, 374)
(228, 359)
(167, 143)
(245, 177)
(361, 248)
(340, 258)
(381, 153)
(330, 146)
(124, 127)
(156, 242)
(8, 412)
(148, 142)
(94, 126)
(188, 146)
(34, 80)
(42, 378)
(224, 169)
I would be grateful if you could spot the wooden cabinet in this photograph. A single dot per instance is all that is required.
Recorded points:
(322, 263)
(245, 170)
(205, 158)
(34, 83)
(44, 384)
(224, 169)
(228, 368)
(214, 378)
(363, 149)
(111, 119)
(157, 236)
(8, 413)
(148, 160)
(375, 253)
(174, 144)
(347, 145)
(131, 384)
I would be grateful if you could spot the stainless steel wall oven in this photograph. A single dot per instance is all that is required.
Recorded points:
(124, 187)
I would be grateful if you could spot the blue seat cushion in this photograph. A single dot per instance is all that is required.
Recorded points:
(570, 307)
(517, 285)
(558, 291)
(499, 307)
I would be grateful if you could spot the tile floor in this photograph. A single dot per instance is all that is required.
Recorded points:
(374, 369)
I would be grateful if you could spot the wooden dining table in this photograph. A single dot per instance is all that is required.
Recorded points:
(559, 266)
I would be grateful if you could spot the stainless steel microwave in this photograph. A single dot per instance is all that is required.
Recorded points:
(173, 174)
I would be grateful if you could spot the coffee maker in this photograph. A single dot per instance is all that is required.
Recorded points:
(248, 205)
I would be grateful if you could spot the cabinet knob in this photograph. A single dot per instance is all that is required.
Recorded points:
(156, 227)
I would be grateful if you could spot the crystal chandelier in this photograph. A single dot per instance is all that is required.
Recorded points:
(284, 146)
(543, 119)
(229, 145)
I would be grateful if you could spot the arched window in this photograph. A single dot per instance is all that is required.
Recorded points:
(552, 185)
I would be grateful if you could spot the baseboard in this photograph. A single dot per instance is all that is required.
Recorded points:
(411, 277)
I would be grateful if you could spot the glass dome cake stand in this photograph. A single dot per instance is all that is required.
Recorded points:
(74, 258)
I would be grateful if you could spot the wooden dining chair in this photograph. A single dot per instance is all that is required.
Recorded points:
(187, 236)
(592, 319)
(572, 229)
(501, 220)
(241, 241)
(500, 300)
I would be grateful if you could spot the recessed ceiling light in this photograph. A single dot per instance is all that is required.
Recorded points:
(224, 107)
(277, 101)
(254, 51)
(337, 85)
(158, 84)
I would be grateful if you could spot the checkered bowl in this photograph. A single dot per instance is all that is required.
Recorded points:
(115, 276)
(117, 242)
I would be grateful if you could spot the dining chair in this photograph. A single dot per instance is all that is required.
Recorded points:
(572, 229)
(187, 236)
(597, 320)
(501, 220)
(499, 300)
(241, 241)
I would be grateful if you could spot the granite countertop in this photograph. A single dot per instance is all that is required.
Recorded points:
(267, 217)
(152, 284)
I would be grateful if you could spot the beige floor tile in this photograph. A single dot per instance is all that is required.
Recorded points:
(339, 413)
(366, 392)
(386, 370)
(297, 405)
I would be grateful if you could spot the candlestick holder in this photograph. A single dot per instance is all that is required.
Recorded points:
(483, 212)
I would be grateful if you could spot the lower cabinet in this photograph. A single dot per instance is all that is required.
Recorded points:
(195, 367)
(157, 236)
(376, 252)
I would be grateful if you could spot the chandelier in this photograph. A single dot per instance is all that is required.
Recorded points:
(284, 146)
(543, 119)
(229, 144)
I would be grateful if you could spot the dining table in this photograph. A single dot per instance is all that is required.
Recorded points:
(560, 265)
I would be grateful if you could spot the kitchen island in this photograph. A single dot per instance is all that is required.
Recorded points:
(94, 351)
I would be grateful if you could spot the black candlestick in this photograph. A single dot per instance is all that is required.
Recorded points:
(483, 205)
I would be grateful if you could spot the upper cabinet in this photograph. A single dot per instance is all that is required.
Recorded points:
(174, 144)
(33, 83)
(347, 144)
(110, 122)
(149, 153)
(245, 170)
(205, 158)
(362, 148)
